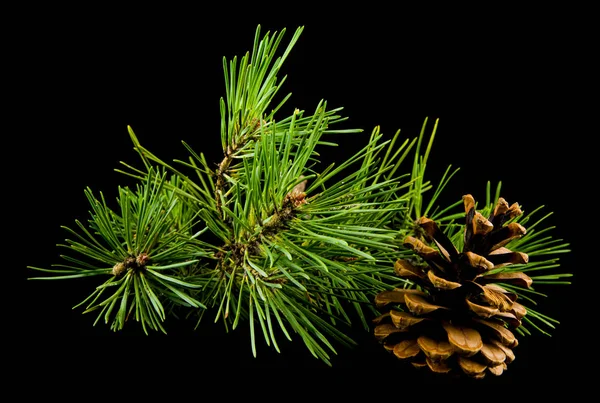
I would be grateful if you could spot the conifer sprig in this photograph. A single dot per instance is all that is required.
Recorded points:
(142, 246)
(298, 246)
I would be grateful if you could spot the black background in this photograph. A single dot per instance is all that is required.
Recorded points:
(508, 92)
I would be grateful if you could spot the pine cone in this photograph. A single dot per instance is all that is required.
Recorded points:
(458, 319)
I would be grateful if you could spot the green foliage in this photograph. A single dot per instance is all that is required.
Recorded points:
(144, 247)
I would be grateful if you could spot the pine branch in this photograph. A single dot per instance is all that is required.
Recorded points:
(268, 201)
(141, 246)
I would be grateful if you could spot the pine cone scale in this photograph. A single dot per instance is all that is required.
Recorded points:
(419, 305)
(493, 355)
(471, 367)
(395, 296)
(498, 369)
(404, 320)
(465, 340)
(444, 244)
(517, 278)
(441, 367)
(481, 310)
(434, 349)
(440, 282)
(406, 349)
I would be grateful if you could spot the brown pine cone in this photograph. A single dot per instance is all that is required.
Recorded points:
(457, 319)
